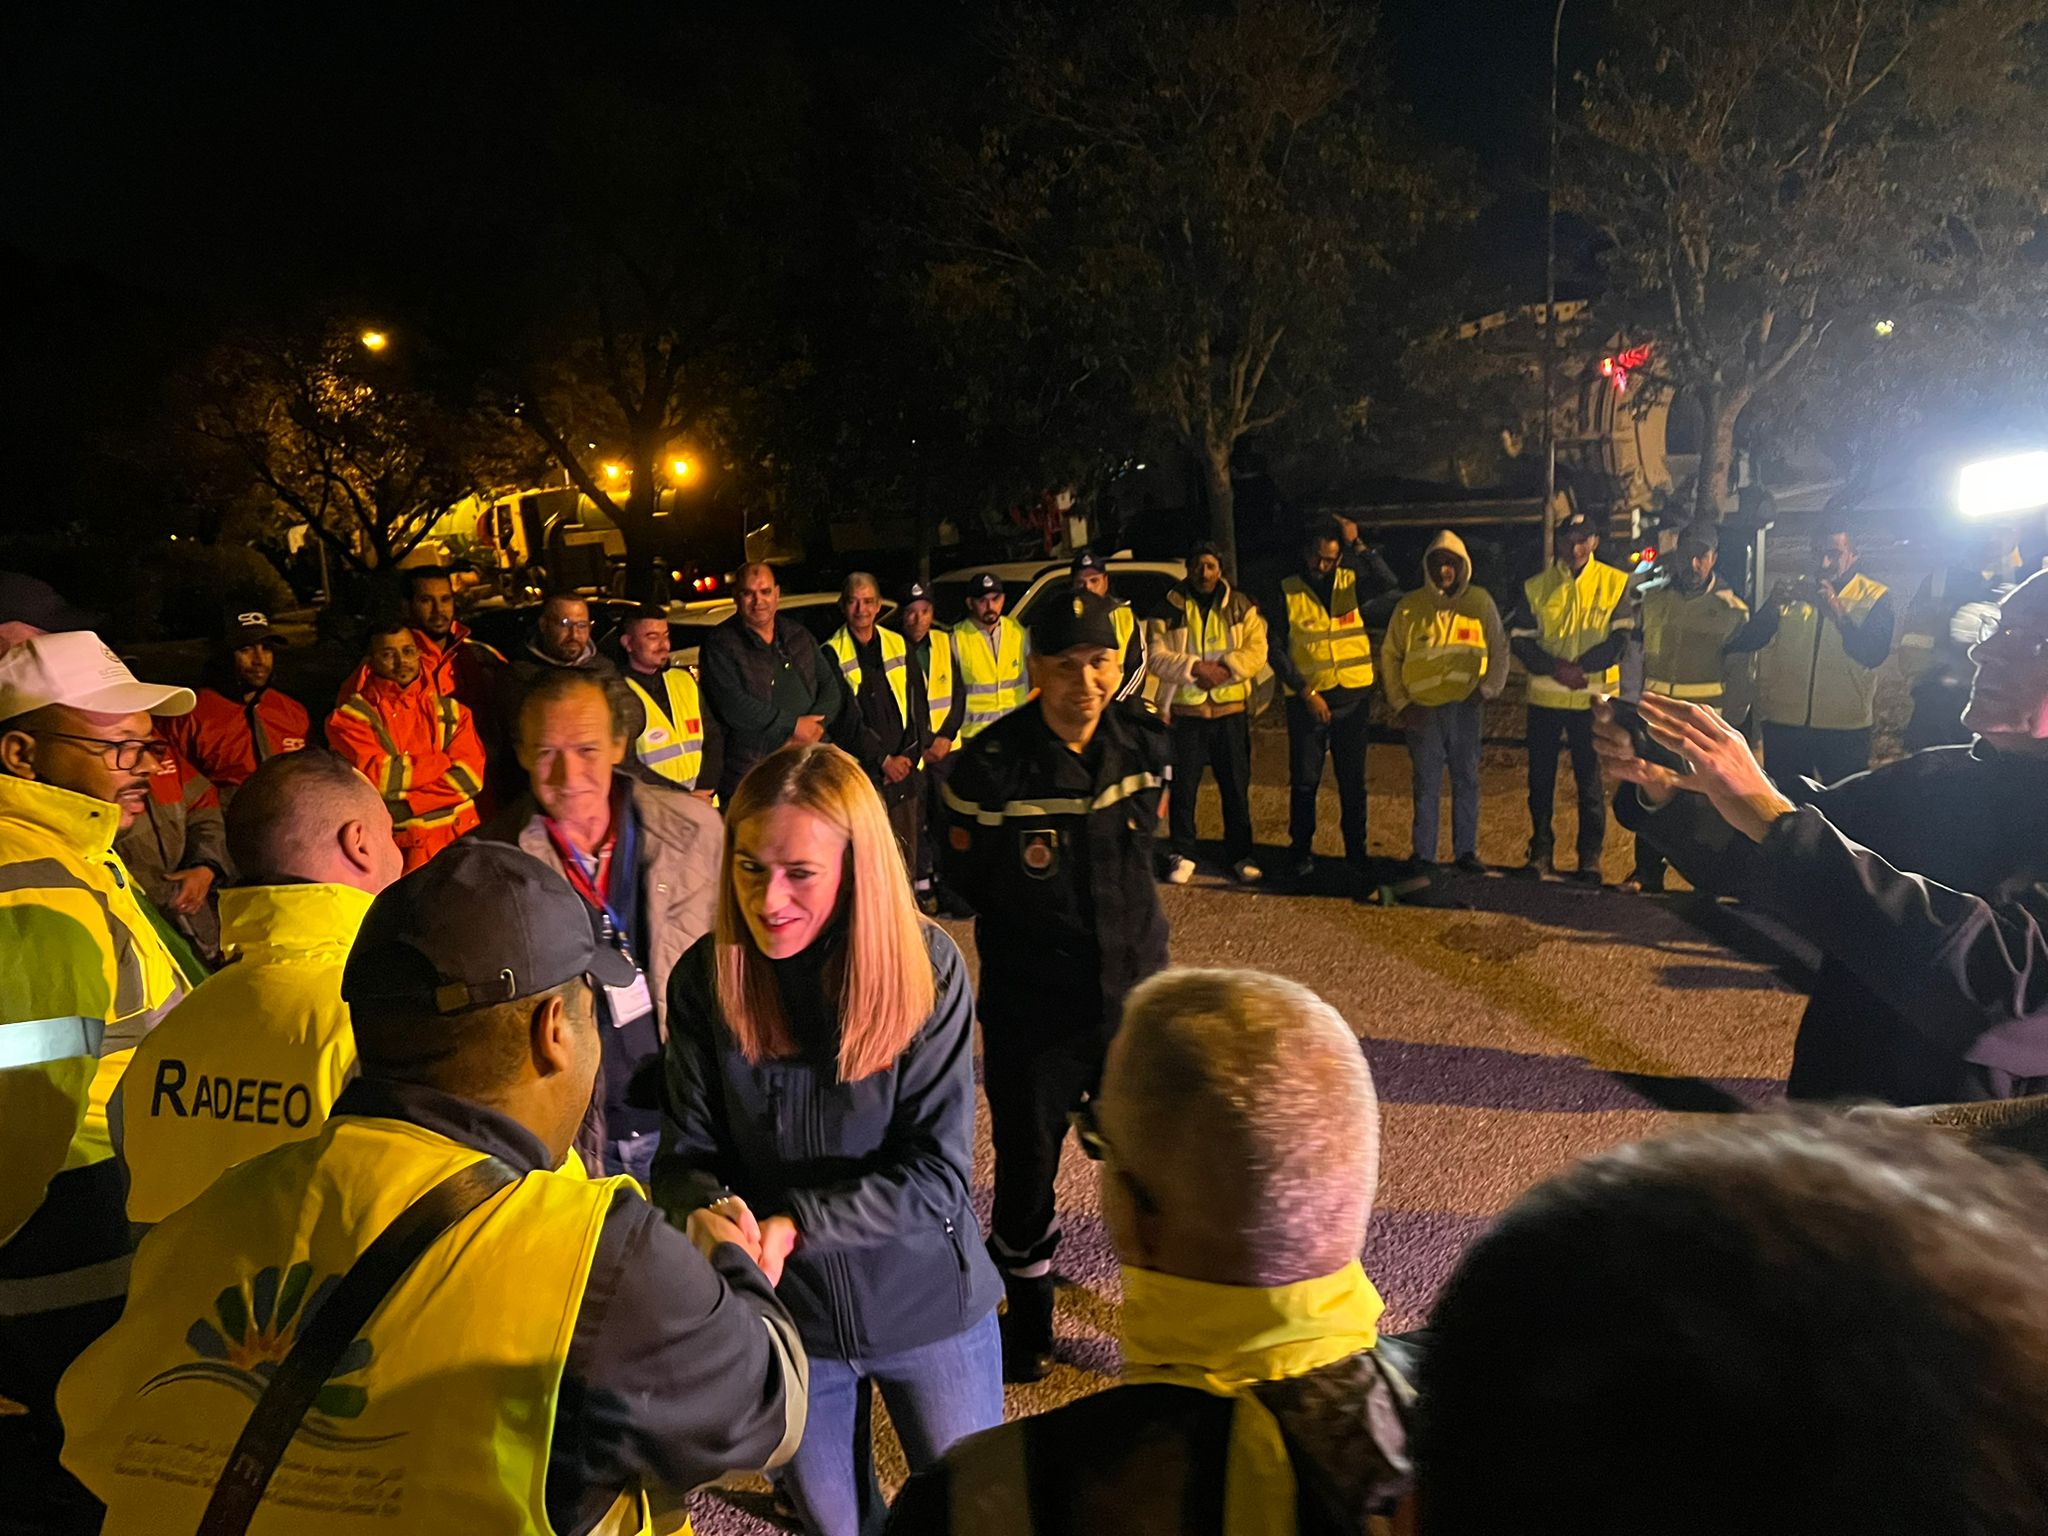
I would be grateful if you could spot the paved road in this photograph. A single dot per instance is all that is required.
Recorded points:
(1511, 1032)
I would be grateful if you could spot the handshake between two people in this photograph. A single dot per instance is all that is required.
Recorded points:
(1716, 756)
(728, 1220)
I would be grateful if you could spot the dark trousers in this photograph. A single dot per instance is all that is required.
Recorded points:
(1802, 751)
(932, 807)
(1032, 1080)
(1343, 742)
(1224, 747)
(1574, 727)
(906, 820)
(1448, 737)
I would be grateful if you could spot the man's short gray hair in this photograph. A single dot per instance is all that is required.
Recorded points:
(858, 581)
(1251, 1095)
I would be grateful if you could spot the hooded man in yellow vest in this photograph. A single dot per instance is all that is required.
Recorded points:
(1445, 655)
(1322, 653)
(552, 1356)
(1238, 1137)
(84, 974)
(1820, 642)
(679, 742)
(258, 1053)
(1569, 633)
(1209, 647)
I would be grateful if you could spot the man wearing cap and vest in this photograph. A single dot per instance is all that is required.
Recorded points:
(1090, 573)
(891, 717)
(990, 649)
(1209, 643)
(1569, 634)
(85, 975)
(644, 859)
(945, 693)
(547, 1352)
(1445, 655)
(240, 721)
(1052, 812)
(177, 850)
(679, 742)
(1687, 622)
(1322, 653)
(419, 748)
(1820, 642)
(258, 1053)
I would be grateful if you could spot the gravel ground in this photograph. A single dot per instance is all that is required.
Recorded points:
(1513, 1028)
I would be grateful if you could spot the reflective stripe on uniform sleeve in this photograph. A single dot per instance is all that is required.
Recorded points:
(35, 1041)
(33, 1294)
(1078, 805)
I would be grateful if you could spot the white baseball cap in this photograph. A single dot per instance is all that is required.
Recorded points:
(79, 671)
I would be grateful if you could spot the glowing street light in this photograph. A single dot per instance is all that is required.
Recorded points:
(2017, 482)
(681, 468)
(375, 341)
(613, 471)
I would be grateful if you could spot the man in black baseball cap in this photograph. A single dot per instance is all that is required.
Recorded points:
(989, 647)
(945, 692)
(1090, 573)
(1051, 813)
(469, 987)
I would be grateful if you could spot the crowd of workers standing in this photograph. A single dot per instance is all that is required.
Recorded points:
(586, 1099)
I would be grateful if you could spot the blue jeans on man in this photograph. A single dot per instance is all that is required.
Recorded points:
(936, 1394)
(1447, 737)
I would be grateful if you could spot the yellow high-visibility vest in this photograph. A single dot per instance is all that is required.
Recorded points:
(1573, 614)
(1442, 644)
(1328, 646)
(1806, 677)
(895, 661)
(1684, 640)
(438, 1417)
(938, 677)
(672, 741)
(995, 676)
(1211, 637)
(255, 1057)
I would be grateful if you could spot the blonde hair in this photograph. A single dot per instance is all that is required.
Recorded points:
(886, 991)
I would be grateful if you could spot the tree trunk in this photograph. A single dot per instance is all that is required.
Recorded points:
(1222, 505)
(636, 522)
(1719, 412)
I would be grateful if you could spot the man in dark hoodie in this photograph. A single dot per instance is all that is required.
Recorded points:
(1444, 656)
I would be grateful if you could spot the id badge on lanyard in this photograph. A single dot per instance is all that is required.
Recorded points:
(634, 1001)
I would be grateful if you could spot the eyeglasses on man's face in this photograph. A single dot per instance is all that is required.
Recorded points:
(123, 756)
(568, 626)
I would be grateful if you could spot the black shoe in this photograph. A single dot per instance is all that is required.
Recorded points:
(1471, 864)
(927, 903)
(1538, 866)
(1027, 1328)
(1587, 877)
(1299, 867)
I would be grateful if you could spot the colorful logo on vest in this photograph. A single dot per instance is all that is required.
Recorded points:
(258, 1322)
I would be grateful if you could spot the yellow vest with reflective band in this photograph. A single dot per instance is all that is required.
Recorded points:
(672, 744)
(1329, 647)
(895, 660)
(1685, 638)
(1805, 677)
(995, 678)
(439, 1415)
(82, 976)
(1211, 637)
(1443, 644)
(938, 677)
(254, 1057)
(1573, 614)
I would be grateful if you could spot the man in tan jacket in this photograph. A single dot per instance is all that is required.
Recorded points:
(645, 859)
(1209, 646)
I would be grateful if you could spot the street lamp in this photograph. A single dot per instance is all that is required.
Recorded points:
(375, 341)
(613, 471)
(680, 468)
(1998, 487)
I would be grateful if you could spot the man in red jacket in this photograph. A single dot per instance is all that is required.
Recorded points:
(240, 721)
(419, 747)
(458, 665)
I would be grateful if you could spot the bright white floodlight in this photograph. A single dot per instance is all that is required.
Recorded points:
(1993, 487)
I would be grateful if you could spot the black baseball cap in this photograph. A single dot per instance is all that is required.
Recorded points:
(481, 923)
(918, 593)
(248, 628)
(983, 584)
(1576, 527)
(1088, 560)
(1699, 536)
(1077, 618)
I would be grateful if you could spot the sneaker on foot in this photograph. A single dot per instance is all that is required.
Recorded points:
(1247, 872)
(1179, 870)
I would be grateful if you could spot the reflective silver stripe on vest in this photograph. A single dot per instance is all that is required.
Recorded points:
(1014, 810)
(35, 1041)
(104, 1281)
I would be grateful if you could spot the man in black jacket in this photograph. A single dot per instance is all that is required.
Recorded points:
(1920, 881)
(767, 680)
(1051, 813)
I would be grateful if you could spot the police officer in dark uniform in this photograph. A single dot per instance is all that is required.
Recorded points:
(1050, 819)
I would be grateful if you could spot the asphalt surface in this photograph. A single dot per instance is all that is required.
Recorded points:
(1513, 1027)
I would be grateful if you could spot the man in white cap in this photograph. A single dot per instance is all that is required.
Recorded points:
(85, 976)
